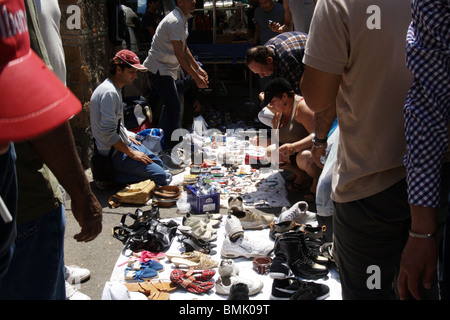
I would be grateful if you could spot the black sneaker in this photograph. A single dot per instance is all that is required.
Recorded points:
(238, 291)
(279, 268)
(283, 289)
(311, 291)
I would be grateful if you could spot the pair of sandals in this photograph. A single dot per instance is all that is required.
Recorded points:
(154, 290)
(141, 271)
(192, 280)
(200, 230)
(194, 260)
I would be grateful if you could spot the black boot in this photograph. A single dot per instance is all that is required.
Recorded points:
(300, 264)
(309, 249)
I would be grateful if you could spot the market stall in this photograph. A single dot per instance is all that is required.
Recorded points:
(230, 168)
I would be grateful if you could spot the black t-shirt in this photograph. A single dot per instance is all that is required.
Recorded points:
(149, 20)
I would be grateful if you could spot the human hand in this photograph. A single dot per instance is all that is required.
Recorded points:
(419, 259)
(88, 213)
(135, 141)
(203, 73)
(275, 26)
(201, 81)
(140, 156)
(317, 152)
(286, 150)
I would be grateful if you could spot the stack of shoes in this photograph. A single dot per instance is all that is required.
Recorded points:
(193, 260)
(229, 277)
(237, 244)
(286, 286)
(302, 260)
(153, 289)
(141, 271)
(250, 220)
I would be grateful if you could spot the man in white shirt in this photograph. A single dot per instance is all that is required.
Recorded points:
(167, 54)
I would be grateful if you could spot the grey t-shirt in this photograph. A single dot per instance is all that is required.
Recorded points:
(106, 111)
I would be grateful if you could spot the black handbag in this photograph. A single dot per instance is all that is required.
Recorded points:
(102, 167)
(147, 232)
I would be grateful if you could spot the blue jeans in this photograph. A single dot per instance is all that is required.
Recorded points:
(169, 119)
(8, 192)
(37, 269)
(127, 170)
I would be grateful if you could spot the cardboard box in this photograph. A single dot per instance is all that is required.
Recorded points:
(203, 203)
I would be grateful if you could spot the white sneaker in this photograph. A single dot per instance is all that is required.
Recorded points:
(233, 227)
(75, 274)
(223, 285)
(245, 247)
(228, 268)
(298, 213)
(73, 294)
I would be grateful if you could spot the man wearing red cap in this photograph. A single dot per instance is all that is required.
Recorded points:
(35, 118)
(132, 162)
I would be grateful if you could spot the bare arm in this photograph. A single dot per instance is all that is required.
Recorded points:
(288, 24)
(57, 150)
(319, 90)
(419, 257)
(188, 63)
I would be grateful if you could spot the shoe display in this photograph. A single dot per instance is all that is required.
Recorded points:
(296, 289)
(75, 274)
(298, 213)
(246, 247)
(73, 294)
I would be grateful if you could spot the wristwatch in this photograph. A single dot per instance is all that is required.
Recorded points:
(317, 140)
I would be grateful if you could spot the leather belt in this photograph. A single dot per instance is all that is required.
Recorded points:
(262, 264)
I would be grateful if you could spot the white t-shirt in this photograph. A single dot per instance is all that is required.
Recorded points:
(49, 16)
(301, 12)
(366, 45)
(161, 56)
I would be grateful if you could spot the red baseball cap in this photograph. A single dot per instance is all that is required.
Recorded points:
(130, 58)
(33, 99)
